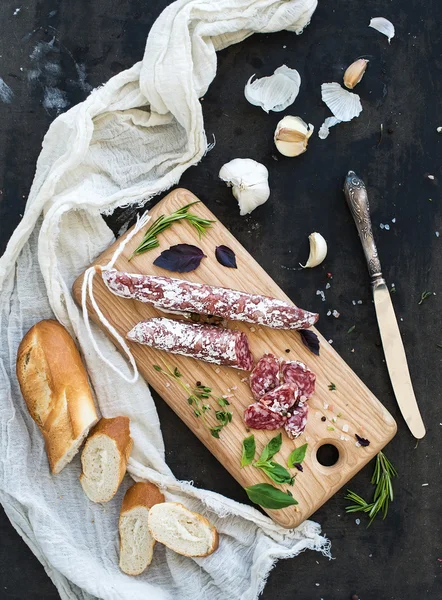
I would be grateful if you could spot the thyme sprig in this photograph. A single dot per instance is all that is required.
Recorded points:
(150, 239)
(383, 474)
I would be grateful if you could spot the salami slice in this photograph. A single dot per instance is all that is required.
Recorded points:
(259, 416)
(167, 293)
(281, 399)
(297, 372)
(296, 423)
(204, 342)
(265, 376)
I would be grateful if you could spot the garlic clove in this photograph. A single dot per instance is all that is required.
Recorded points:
(249, 180)
(344, 105)
(355, 72)
(383, 26)
(318, 250)
(324, 130)
(275, 92)
(292, 135)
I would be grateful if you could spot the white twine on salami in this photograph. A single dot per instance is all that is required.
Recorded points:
(87, 291)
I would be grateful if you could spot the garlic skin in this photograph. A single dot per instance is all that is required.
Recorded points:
(383, 26)
(249, 180)
(324, 130)
(275, 92)
(318, 250)
(292, 135)
(355, 72)
(344, 105)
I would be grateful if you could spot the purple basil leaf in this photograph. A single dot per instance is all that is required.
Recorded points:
(362, 440)
(299, 467)
(226, 257)
(311, 340)
(180, 258)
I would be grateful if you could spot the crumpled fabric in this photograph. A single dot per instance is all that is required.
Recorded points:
(128, 141)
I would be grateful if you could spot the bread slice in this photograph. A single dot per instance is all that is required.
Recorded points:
(136, 542)
(182, 530)
(104, 458)
(56, 390)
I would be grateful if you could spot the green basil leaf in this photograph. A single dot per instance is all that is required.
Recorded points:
(277, 473)
(268, 496)
(297, 456)
(248, 450)
(272, 448)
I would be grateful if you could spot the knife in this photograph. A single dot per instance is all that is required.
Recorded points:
(357, 199)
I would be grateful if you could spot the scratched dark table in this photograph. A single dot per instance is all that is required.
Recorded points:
(53, 52)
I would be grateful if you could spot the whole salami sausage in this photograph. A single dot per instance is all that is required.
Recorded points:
(259, 416)
(296, 423)
(204, 342)
(265, 376)
(294, 371)
(167, 293)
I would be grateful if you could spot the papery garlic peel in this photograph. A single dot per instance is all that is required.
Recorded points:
(292, 135)
(318, 250)
(249, 180)
(355, 72)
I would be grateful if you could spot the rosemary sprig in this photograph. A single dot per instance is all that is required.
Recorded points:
(150, 239)
(198, 399)
(383, 494)
(424, 296)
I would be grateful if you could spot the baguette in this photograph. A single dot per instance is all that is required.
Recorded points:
(136, 542)
(104, 458)
(56, 390)
(182, 530)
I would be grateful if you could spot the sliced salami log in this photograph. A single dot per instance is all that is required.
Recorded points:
(167, 293)
(297, 372)
(265, 376)
(259, 416)
(204, 342)
(295, 424)
(281, 399)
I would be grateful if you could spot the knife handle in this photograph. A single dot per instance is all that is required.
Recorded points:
(357, 200)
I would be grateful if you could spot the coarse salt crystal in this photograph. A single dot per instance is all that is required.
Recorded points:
(353, 302)
(336, 314)
(436, 233)
(328, 313)
(244, 379)
(234, 387)
(430, 177)
(424, 484)
(359, 301)
(321, 293)
(393, 220)
(252, 329)
(325, 405)
(217, 370)
(330, 342)
(439, 130)
(381, 225)
(327, 286)
(167, 384)
(387, 227)
(345, 428)
(358, 521)
(342, 437)
(358, 445)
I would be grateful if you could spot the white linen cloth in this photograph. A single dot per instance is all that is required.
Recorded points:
(129, 140)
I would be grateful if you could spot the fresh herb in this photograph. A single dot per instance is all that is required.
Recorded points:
(271, 448)
(268, 496)
(248, 450)
(226, 257)
(330, 428)
(439, 345)
(383, 474)
(297, 456)
(332, 387)
(362, 440)
(180, 258)
(339, 415)
(197, 400)
(424, 296)
(352, 328)
(299, 467)
(311, 340)
(150, 239)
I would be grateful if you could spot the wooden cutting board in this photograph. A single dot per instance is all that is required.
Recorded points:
(351, 409)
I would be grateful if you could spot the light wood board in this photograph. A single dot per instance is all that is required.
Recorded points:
(360, 411)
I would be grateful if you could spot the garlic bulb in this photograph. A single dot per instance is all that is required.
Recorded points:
(383, 26)
(355, 72)
(318, 250)
(292, 135)
(275, 92)
(249, 180)
(344, 105)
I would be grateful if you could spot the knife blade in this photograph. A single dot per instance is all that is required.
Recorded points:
(394, 351)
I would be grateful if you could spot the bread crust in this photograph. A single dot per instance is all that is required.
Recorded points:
(141, 494)
(215, 542)
(118, 429)
(56, 390)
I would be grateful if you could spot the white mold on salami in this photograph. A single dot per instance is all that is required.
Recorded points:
(204, 342)
(167, 293)
(265, 376)
(294, 371)
(296, 424)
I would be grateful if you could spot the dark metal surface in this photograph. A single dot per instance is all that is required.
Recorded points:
(395, 559)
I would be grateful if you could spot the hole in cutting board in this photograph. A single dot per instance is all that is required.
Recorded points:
(327, 455)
